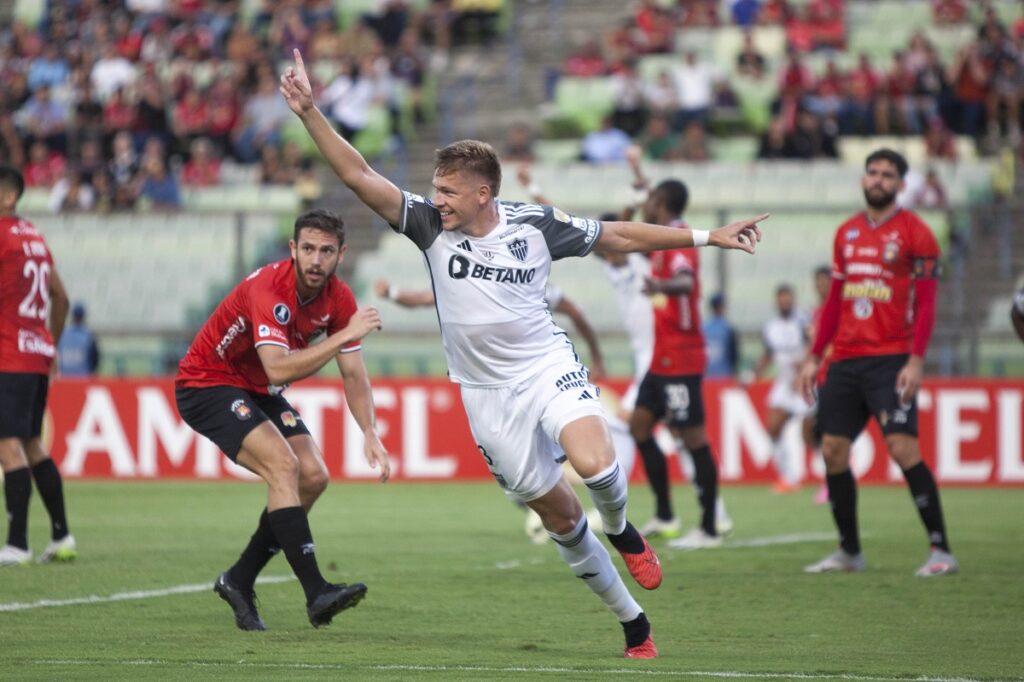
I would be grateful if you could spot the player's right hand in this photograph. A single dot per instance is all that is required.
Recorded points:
(295, 87)
(363, 322)
(809, 380)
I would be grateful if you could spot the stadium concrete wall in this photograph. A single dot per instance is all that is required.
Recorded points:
(971, 433)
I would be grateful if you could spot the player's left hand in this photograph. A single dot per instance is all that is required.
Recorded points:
(742, 234)
(376, 455)
(909, 380)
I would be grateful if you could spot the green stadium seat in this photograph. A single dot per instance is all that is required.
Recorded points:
(585, 100)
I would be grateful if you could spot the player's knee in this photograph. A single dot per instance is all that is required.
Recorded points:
(904, 450)
(836, 456)
(641, 432)
(284, 468)
(12, 455)
(314, 481)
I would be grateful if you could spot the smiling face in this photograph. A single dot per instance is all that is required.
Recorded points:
(881, 183)
(460, 197)
(316, 254)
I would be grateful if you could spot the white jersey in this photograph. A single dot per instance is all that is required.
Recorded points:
(786, 339)
(635, 307)
(490, 291)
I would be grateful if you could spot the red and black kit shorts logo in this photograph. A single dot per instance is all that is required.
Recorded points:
(241, 410)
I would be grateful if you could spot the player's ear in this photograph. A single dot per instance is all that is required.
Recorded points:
(341, 252)
(291, 247)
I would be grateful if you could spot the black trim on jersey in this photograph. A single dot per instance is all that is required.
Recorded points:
(437, 310)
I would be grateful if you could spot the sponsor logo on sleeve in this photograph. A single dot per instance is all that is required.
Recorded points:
(282, 313)
(560, 215)
(264, 331)
(588, 226)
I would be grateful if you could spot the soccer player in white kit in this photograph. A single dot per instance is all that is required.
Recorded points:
(785, 339)
(523, 388)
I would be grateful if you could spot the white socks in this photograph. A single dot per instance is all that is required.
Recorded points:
(609, 492)
(590, 561)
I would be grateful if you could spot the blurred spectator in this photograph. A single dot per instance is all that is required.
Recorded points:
(694, 143)
(795, 81)
(127, 40)
(44, 119)
(79, 353)
(698, 13)
(774, 12)
(202, 168)
(629, 113)
(518, 144)
(307, 184)
(222, 113)
(190, 119)
(606, 145)
(744, 12)
(49, 68)
(949, 12)
(408, 64)
(829, 93)
(475, 20)
(11, 147)
(930, 193)
(151, 112)
(624, 39)
(156, 185)
(695, 84)
(586, 61)
(660, 97)
(721, 341)
(969, 76)
(124, 164)
(1004, 96)
(810, 139)
(659, 141)
(939, 142)
(390, 22)
(103, 189)
(818, 24)
(111, 73)
(860, 114)
(773, 141)
(654, 27)
(348, 99)
(118, 114)
(325, 41)
(931, 86)
(45, 166)
(156, 45)
(241, 46)
(287, 31)
(86, 116)
(72, 193)
(90, 157)
(897, 100)
(262, 118)
(750, 61)
(272, 170)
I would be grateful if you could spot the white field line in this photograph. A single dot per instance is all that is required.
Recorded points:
(127, 596)
(790, 539)
(722, 674)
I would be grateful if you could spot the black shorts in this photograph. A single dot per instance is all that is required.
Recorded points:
(859, 388)
(22, 404)
(677, 400)
(226, 414)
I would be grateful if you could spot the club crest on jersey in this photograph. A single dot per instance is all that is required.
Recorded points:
(862, 308)
(241, 410)
(282, 313)
(890, 252)
(852, 234)
(518, 248)
(289, 419)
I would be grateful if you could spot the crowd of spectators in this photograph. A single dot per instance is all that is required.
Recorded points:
(977, 92)
(114, 102)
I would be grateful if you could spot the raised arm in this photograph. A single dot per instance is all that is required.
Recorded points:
(284, 366)
(372, 188)
(626, 237)
(406, 298)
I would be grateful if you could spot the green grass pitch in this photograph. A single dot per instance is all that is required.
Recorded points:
(456, 592)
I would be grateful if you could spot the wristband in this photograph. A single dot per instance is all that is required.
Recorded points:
(392, 294)
(700, 237)
(534, 190)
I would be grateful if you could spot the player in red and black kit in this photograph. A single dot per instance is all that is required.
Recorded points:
(878, 317)
(671, 390)
(33, 307)
(228, 388)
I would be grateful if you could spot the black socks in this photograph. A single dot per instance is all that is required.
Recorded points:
(291, 530)
(657, 476)
(926, 497)
(51, 490)
(261, 549)
(17, 491)
(842, 495)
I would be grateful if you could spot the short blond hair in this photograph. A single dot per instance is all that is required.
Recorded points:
(470, 156)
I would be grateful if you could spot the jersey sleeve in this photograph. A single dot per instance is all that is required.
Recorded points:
(344, 308)
(271, 316)
(925, 252)
(567, 235)
(838, 255)
(420, 221)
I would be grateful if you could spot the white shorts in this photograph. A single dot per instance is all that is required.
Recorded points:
(784, 397)
(517, 427)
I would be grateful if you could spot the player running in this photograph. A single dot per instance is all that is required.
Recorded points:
(523, 388)
(879, 317)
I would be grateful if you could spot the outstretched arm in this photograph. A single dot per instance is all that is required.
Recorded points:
(372, 188)
(625, 237)
(406, 299)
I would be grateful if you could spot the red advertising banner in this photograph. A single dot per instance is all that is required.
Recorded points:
(971, 433)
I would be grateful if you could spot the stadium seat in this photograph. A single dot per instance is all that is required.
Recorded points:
(585, 100)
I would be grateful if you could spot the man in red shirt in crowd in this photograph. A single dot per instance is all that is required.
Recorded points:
(229, 389)
(671, 391)
(878, 317)
(33, 307)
